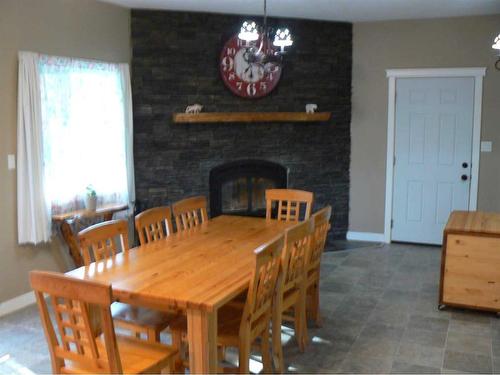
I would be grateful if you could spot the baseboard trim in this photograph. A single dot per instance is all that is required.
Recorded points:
(16, 303)
(365, 236)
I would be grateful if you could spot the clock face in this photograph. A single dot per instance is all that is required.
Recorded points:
(246, 78)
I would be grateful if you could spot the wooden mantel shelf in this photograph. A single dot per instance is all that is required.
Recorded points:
(180, 118)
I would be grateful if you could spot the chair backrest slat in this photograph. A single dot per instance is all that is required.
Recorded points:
(190, 212)
(288, 204)
(71, 301)
(297, 245)
(321, 227)
(263, 282)
(98, 242)
(154, 224)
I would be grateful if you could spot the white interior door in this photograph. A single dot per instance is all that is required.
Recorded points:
(433, 154)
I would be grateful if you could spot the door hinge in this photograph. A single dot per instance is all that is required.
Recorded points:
(394, 160)
(392, 223)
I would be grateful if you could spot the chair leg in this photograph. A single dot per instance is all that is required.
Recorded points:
(316, 313)
(177, 343)
(297, 325)
(266, 352)
(303, 317)
(244, 355)
(301, 321)
(171, 366)
(170, 369)
(312, 309)
(153, 335)
(278, 361)
(221, 353)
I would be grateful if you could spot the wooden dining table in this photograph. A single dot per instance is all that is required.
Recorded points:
(195, 271)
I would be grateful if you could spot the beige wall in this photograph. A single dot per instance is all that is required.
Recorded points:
(78, 28)
(86, 28)
(452, 42)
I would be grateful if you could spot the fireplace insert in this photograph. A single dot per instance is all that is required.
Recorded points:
(238, 187)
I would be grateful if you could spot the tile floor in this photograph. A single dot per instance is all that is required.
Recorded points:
(380, 315)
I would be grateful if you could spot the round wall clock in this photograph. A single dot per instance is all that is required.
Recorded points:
(243, 75)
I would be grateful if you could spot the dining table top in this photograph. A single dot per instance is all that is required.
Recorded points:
(202, 268)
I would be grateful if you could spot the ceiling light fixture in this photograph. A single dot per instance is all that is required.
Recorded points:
(496, 46)
(249, 31)
(258, 40)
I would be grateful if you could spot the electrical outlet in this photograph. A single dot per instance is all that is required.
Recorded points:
(486, 146)
(11, 162)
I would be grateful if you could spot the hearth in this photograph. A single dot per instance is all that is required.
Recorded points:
(238, 187)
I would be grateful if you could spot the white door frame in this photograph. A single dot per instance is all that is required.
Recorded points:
(393, 75)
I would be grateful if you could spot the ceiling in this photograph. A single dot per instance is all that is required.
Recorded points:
(334, 10)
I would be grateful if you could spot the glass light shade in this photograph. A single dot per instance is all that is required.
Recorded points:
(496, 43)
(248, 31)
(283, 39)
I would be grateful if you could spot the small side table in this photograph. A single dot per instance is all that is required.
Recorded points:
(63, 220)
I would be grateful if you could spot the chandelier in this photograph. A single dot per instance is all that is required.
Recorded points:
(496, 45)
(257, 39)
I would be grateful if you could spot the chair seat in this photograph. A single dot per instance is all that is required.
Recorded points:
(137, 356)
(140, 316)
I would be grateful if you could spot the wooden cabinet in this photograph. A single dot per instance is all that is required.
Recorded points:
(470, 264)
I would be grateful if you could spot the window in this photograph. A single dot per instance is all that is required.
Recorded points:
(83, 132)
(74, 129)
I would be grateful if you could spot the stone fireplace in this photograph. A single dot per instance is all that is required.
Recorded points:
(175, 63)
(238, 188)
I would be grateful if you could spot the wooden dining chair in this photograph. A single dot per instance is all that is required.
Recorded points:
(100, 243)
(287, 204)
(75, 348)
(154, 224)
(104, 240)
(246, 325)
(190, 212)
(313, 264)
(290, 298)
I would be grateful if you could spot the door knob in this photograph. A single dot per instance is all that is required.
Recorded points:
(464, 177)
(465, 165)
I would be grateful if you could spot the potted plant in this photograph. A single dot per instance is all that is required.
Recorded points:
(91, 199)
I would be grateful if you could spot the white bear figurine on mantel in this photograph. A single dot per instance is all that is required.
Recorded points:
(195, 108)
(311, 108)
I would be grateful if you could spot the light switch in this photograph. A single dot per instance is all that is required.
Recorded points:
(486, 146)
(11, 162)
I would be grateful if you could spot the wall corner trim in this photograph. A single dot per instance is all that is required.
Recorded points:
(365, 236)
(17, 303)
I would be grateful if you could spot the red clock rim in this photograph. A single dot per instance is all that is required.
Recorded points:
(233, 89)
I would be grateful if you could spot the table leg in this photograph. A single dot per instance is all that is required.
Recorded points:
(70, 238)
(202, 338)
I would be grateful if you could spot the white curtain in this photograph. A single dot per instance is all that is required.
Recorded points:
(33, 213)
(85, 126)
(129, 138)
